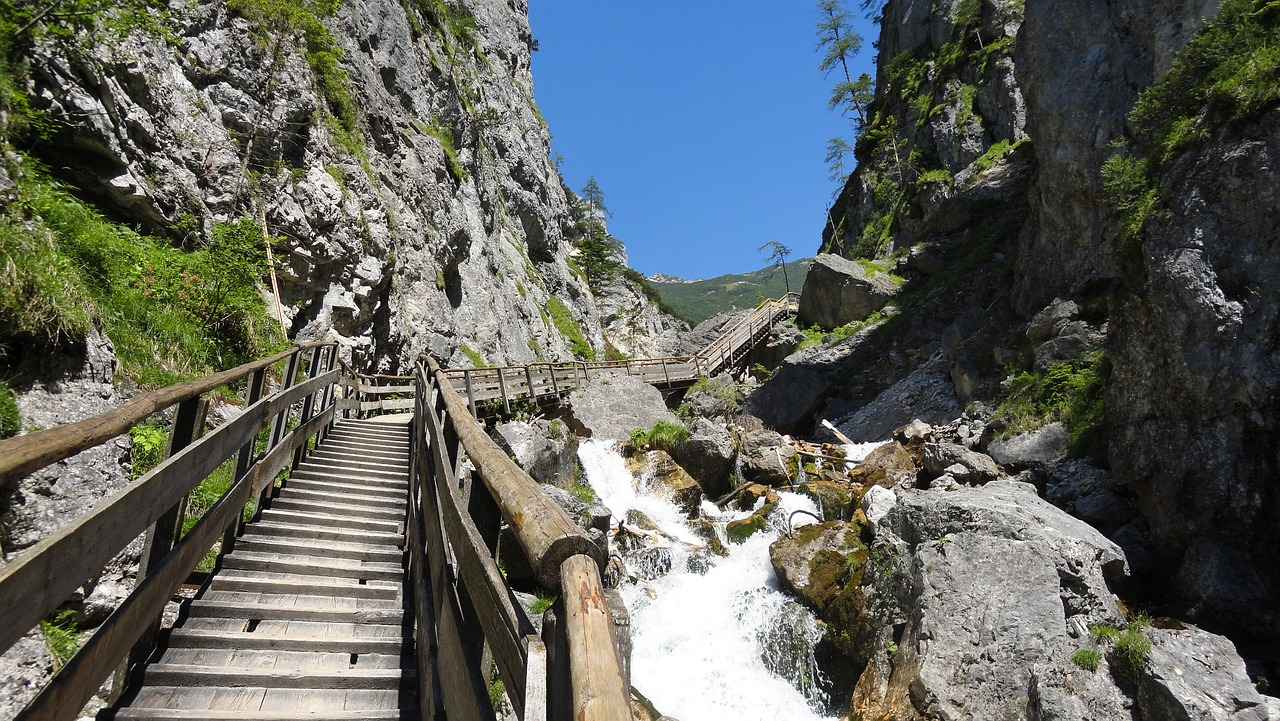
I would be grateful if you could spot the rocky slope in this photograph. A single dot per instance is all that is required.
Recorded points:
(1040, 288)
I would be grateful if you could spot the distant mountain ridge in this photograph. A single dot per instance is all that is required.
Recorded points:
(698, 300)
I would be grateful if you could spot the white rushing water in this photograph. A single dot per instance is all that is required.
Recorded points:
(714, 638)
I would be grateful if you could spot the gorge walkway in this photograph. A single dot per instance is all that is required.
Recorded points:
(355, 557)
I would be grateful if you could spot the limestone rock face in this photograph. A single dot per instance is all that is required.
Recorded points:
(764, 458)
(433, 220)
(1033, 449)
(614, 404)
(538, 451)
(1196, 378)
(1080, 79)
(657, 470)
(989, 584)
(839, 291)
(1195, 674)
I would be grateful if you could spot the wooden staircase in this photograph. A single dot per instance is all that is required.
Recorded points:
(306, 616)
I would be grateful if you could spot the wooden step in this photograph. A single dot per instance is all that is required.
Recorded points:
(252, 611)
(306, 533)
(307, 518)
(305, 506)
(378, 462)
(166, 674)
(328, 468)
(248, 641)
(354, 477)
(249, 583)
(251, 541)
(400, 435)
(391, 452)
(351, 499)
(353, 489)
(312, 566)
(168, 714)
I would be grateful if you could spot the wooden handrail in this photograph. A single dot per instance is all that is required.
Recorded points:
(43, 576)
(23, 455)
(545, 532)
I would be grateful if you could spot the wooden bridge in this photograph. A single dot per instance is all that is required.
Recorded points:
(356, 573)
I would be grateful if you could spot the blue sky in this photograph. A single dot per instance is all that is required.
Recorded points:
(705, 123)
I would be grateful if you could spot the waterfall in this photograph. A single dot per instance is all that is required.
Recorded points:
(714, 637)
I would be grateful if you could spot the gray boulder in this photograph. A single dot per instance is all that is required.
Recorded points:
(765, 458)
(708, 456)
(839, 291)
(611, 405)
(1089, 493)
(1034, 449)
(1050, 322)
(1194, 674)
(965, 465)
(926, 394)
(782, 341)
(988, 584)
(537, 450)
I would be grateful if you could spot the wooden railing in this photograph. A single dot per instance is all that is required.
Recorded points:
(543, 380)
(574, 671)
(43, 577)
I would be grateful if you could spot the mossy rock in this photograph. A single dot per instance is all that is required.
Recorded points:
(886, 466)
(740, 530)
(834, 498)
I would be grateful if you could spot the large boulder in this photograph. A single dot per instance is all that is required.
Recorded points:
(1194, 674)
(611, 405)
(708, 456)
(766, 459)
(1034, 449)
(927, 394)
(959, 462)
(969, 592)
(839, 291)
(547, 451)
(783, 340)
(886, 466)
(811, 562)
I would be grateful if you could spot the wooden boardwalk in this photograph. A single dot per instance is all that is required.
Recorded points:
(306, 617)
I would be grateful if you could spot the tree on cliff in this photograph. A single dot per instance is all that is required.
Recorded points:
(597, 252)
(839, 44)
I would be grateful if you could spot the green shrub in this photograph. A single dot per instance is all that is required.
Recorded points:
(664, 435)
(1073, 393)
(542, 603)
(1087, 658)
(10, 416)
(148, 443)
(41, 301)
(563, 321)
(1129, 654)
(61, 636)
(477, 360)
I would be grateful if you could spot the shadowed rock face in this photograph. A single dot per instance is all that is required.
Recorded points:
(1194, 395)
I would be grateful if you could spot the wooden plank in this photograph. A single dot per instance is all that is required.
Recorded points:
(170, 714)
(464, 689)
(189, 638)
(535, 680)
(349, 678)
(599, 692)
(230, 609)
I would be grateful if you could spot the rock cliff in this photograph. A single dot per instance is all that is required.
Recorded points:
(410, 180)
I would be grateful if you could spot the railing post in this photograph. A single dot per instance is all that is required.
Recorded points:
(327, 398)
(576, 383)
(471, 393)
(252, 395)
(308, 403)
(502, 386)
(281, 419)
(554, 385)
(188, 425)
(528, 376)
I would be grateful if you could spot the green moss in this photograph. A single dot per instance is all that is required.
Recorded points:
(1087, 658)
(444, 134)
(739, 531)
(563, 321)
(477, 360)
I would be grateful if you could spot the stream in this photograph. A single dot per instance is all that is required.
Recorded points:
(714, 637)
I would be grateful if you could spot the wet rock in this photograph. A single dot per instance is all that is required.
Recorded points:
(1194, 674)
(538, 450)
(965, 465)
(708, 456)
(615, 404)
(588, 515)
(812, 561)
(656, 470)
(833, 499)
(839, 291)
(1033, 449)
(752, 493)
(744, 528)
